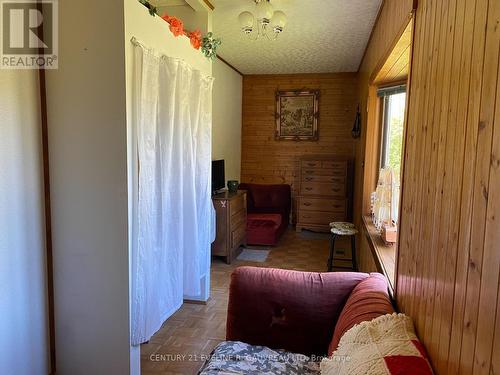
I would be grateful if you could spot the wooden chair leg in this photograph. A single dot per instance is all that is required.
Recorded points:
(332, 251)
(353, 256)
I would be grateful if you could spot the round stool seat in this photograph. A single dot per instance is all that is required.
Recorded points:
(342, 228)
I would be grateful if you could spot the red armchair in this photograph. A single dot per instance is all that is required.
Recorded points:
(268, 212)
(302, 312)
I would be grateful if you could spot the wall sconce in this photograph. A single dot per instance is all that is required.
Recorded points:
(356, 129)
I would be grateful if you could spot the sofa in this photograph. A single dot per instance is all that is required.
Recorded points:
(289, 320)
(268, 212)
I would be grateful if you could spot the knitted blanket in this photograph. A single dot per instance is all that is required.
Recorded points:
(385, 345)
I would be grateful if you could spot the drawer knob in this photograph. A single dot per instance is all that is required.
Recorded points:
(311, 164)
(309, 188)
(336, 190)
(307, 204)
(309, 172)
(309, 178)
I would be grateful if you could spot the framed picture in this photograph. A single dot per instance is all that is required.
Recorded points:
(297, 114)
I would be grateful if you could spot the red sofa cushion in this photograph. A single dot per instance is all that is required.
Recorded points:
(263, 220)
(284, 309)
(263, 229)
(269, 200)
(368, 300)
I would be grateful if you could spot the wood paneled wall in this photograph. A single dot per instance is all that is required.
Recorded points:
(265, 160)
(397, 65)
(449, 252)
(391, 23)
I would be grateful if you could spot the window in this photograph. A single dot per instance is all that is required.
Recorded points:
(393, 114)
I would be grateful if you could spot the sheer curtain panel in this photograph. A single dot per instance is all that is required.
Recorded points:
(174, 219)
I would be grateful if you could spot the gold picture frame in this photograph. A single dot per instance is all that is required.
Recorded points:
(297, 115)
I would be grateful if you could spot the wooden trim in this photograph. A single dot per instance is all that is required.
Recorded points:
(382, 254)
(403, 150)
(211, 6)
(231, 66)
(48, 218)
(371, 34)
(47, 211)
(195, 301)
(203, 6)
(387, 53)
(374, 131)
(310, 76)
(398, 82)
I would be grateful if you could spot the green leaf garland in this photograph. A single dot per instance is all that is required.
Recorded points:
(209, 46)
(152, 9)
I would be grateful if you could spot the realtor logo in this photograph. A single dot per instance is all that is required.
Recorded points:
(29, 34)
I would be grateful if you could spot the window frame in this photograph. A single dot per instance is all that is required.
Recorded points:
(384, 94)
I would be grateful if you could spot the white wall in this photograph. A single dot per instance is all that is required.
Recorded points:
(88, 158)
(154, 32)
(23, 308)
(226, 134)
(191, 19)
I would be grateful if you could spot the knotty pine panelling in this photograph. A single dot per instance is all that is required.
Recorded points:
(449, 250)
(264, 160)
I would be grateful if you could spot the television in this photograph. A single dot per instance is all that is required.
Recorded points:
(218, 175)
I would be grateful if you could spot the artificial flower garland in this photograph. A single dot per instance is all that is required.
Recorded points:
(208, 43)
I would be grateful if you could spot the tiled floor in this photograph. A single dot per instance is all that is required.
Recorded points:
(194, 330)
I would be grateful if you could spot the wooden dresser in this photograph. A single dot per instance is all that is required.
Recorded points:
(231, 216)
(325, 192)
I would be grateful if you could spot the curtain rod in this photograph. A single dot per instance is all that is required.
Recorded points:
(137, 42)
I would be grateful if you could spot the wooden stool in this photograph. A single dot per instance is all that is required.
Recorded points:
(339, 228)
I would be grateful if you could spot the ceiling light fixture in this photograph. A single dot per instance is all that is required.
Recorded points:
(265, 21)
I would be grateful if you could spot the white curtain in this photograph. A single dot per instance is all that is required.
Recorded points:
(173, 217)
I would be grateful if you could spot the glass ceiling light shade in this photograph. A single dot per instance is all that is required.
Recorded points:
(264, 11)
(260, 23)
(278, 21)
(246, 20)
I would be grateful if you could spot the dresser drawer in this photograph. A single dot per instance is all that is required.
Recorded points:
(336, 179)
(238, 235)
(236, 205)
(322, 204)
(316, 172)
(238, 218)
(321, 172)
(334, 164)
(319, 218)
(310, 164)
(329, 189)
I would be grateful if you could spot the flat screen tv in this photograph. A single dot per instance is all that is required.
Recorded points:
(218, 175)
